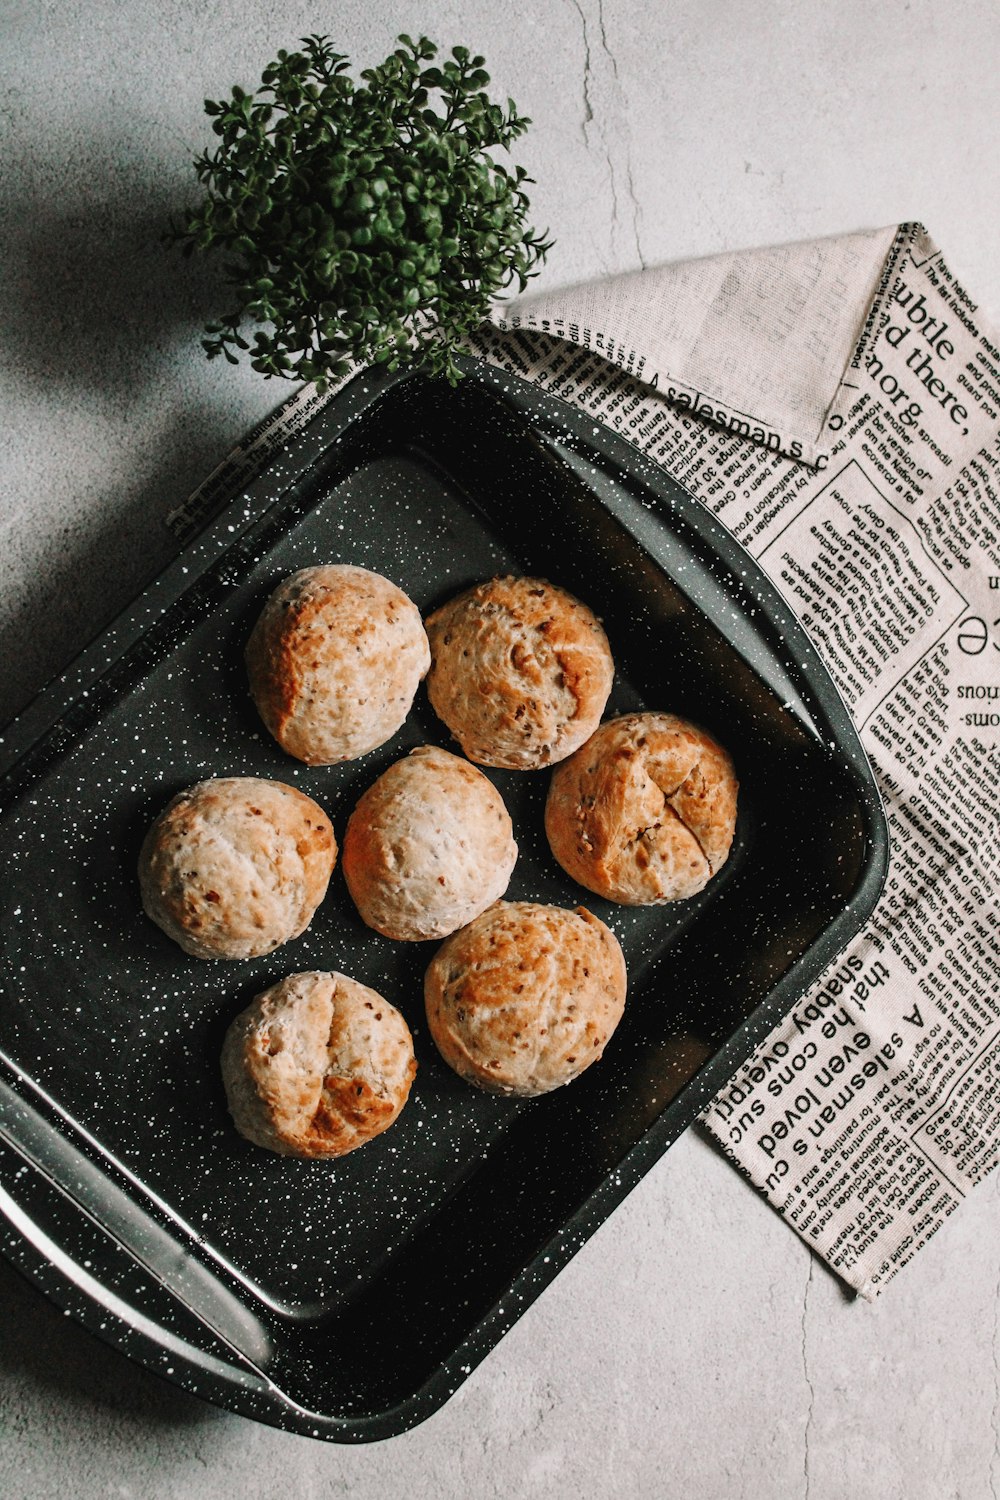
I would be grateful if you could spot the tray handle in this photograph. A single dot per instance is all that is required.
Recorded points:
(78, 1236)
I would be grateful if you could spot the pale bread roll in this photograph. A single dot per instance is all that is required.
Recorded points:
(521, 672)
(645, 812)
(525, 998)
(316, 1066)
(334, 661)
(235, 866)
(428, 847)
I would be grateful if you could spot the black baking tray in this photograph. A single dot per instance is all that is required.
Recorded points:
(347, 1300)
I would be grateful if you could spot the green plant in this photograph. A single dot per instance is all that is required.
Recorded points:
(366, 223)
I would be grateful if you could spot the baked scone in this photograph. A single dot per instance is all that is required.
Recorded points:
(334, 662)
(428, 847)
(645, 812)
(316, 1066)
(525, 998)
(234, 867)
(520, 672)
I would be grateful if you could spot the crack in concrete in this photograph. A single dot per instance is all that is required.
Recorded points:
(812, 1391)
(636, 212)
(629, 182)
(588, 109)
(604, 37)
(589, 118)
(607, 151)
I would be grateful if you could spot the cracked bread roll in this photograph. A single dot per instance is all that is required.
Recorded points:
(234, 867)
(645, 812)
(316, 1066)
(428, 847)
(334, 661)
(526, 997)
(520, 672)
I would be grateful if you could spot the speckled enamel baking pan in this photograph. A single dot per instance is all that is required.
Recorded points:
(347, 1300)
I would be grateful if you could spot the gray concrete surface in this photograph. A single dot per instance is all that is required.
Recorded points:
(693, 1348)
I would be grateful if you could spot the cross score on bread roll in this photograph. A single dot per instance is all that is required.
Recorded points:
(645, 812)
(428, 847)
(520, 673)
(526, 997)
(236, 866)
(334, 662)
(316, 1066)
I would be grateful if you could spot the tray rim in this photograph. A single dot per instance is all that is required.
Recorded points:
(251, 1393)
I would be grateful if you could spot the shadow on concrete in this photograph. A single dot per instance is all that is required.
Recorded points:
(46, 1353)
(100, 322)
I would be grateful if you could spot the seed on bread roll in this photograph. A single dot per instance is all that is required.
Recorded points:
(520, 673)
(316, 1066)
(235, 866)
(645, 811)
(526, 997)
(334, 661)
(428, 847)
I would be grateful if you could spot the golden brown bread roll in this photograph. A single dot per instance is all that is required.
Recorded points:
(645, 812)
(334, 662)
(316, 1066)
(525, 998)
(428, 847)
(520, 672)
(236, 866)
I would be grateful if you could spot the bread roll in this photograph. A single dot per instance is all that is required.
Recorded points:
(645, 812)
(334, 662)
(525, 998)
(234, 867)
(428, 847)
(520, 673)
(316, 1066)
